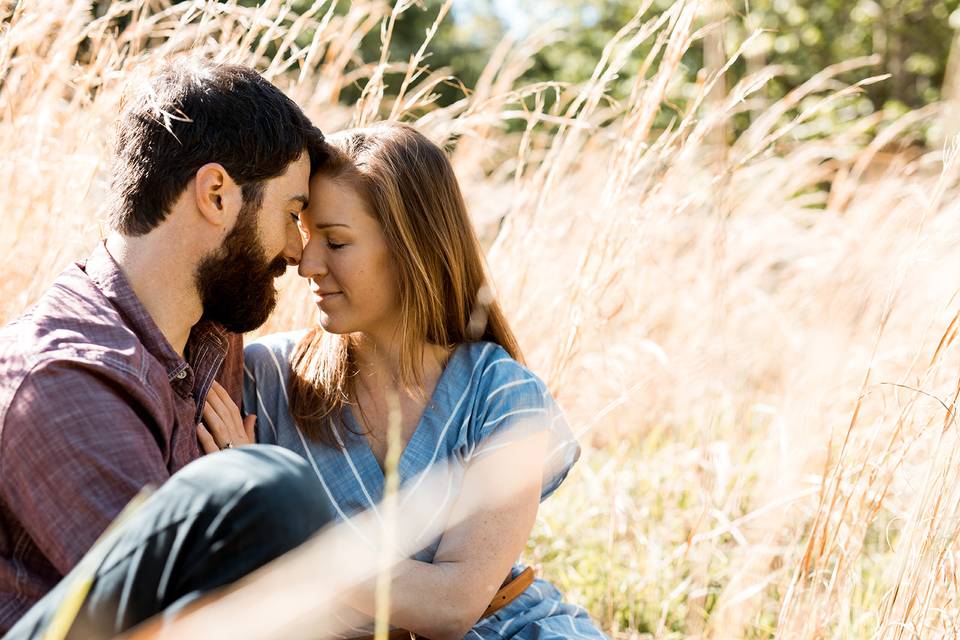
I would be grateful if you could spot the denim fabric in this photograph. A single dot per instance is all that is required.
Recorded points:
(213, 522)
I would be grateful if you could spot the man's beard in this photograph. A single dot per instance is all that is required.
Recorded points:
(235, 283)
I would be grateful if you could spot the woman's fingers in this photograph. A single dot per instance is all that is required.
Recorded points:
(217, 427)
(217, 398)
(207, 443)
(220, 401)
(223, 420)
(224, 405)
(212, 418)
(221, 393)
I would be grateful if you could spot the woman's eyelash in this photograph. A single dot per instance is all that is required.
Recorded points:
(335, 246)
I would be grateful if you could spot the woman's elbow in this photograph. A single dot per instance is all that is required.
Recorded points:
(454, 624)
(453, 631)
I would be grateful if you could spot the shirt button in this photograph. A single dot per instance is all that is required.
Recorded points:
(182, 375)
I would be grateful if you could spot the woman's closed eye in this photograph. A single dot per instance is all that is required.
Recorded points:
(335, 245)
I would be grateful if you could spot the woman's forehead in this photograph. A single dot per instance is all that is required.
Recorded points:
(331, 199)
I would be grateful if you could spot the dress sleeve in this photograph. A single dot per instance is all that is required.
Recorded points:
(514, 401)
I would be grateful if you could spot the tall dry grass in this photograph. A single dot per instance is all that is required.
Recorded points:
(757, 342)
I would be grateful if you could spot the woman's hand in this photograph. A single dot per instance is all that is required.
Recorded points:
(222, 426)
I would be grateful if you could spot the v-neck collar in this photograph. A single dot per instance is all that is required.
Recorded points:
(420, 449)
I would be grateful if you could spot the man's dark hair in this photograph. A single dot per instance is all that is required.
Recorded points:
(194, 112)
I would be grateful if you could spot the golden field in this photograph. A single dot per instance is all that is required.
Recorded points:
(755, 340)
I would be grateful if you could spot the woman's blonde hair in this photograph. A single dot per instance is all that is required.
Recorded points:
(409, 186)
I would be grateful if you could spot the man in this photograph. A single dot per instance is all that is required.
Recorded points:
(103, 381)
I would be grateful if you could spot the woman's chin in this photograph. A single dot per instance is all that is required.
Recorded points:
(330, 324)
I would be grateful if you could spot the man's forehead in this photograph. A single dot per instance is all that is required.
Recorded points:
(298, 169)
(293, 184)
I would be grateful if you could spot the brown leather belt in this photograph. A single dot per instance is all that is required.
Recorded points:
(507, 594)
(509, 591)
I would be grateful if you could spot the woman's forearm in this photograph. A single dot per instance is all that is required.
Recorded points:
(438, 601)
(491, 522)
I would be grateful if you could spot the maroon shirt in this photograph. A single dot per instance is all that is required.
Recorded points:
(94, 404)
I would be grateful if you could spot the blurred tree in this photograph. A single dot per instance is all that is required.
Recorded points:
(912, 38)
(461, 44)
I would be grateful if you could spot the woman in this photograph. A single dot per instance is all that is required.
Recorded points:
(406, 321)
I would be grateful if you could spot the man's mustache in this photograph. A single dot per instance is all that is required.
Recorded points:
(278, 267)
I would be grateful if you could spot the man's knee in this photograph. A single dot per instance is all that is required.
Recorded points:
(210, 524)
(266, 485)
(277, 480)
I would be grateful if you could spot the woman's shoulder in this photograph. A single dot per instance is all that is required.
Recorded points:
(271, 352)
(491, 364)
(491, 373)
(510, 398)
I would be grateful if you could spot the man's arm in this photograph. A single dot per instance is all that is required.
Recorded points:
(75, 447)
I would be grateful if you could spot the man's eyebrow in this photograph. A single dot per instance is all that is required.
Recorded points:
(302, 199)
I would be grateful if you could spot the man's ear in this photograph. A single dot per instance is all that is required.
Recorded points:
(218, 197)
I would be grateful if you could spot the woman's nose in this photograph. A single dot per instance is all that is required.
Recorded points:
(311, 262)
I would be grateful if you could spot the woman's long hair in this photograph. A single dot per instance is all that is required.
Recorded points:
(409, 186)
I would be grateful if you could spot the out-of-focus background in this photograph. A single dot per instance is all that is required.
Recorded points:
(726, 233)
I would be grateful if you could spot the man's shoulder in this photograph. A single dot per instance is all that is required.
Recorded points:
(72, 327)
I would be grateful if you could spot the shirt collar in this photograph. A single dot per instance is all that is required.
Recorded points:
(207, 337)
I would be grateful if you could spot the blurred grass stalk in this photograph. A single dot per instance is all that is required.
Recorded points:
(748, 334)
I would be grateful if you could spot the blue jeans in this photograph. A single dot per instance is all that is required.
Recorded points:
(216, 520)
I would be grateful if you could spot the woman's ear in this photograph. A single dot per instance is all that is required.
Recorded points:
(218, 197)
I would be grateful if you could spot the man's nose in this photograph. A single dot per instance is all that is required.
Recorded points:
(293, 251)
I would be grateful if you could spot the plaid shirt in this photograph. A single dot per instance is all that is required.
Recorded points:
(94, 404)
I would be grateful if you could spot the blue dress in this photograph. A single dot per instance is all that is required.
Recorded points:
(480, 392)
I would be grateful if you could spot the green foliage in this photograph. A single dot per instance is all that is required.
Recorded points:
(459, 46)
(912, 39)
(619, 538)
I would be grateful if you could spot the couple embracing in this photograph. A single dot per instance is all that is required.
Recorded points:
(130, 372)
